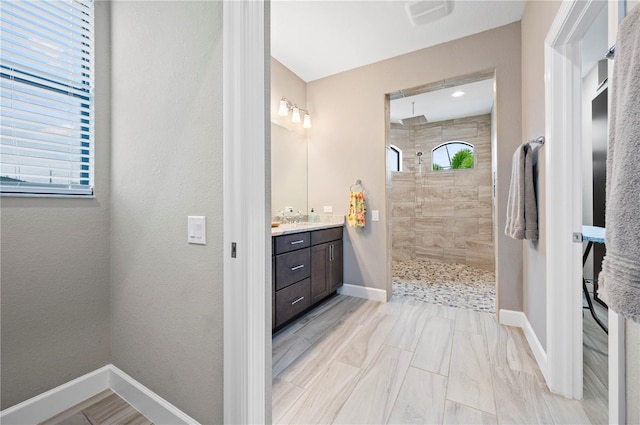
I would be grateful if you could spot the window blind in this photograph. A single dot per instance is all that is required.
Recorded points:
(46, 85)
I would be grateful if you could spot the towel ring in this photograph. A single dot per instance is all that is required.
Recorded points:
(356, 185)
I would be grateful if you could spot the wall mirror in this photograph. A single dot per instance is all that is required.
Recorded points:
(288, 169)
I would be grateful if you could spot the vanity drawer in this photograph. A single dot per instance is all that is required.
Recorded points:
(292, 300)
(287, 243)
(292, 267)
(326, 235)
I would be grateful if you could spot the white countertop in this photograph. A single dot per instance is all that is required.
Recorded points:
(285, 229)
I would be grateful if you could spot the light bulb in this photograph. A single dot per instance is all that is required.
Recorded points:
(295, 116)
(307, 121)
(284, 109)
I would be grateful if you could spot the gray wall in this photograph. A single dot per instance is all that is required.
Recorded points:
(55, 270)
(166, 295)
(343, 152)
(537, 19)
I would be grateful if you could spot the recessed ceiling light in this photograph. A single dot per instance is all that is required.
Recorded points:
(457, 94)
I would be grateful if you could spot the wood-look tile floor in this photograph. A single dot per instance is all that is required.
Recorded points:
(353, 361)
(106, 408)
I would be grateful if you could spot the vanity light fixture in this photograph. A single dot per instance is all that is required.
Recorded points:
(295, 114)
(286, 106)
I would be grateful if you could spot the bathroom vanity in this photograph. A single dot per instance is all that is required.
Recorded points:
(307, 268)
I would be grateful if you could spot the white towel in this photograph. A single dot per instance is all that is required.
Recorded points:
(619, 280)
(522, 208)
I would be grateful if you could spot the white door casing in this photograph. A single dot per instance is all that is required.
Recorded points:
(247, 277)
(564, 206)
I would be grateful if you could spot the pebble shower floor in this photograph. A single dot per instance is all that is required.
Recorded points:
(450, 284)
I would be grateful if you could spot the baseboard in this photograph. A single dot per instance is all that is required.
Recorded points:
(56, 400)
(512, 318)
(363, 292)
(519, 319)
(48, 404)
(150, 404)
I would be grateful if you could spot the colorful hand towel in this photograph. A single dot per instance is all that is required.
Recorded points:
(357, 209)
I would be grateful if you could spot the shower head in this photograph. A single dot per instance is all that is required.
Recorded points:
(414, 119)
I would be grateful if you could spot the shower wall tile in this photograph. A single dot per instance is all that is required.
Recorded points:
(439, 178)
(404, 209)
(432, 253)
(455, 255)
(403, 192)
(402, 177)
(403, 254)
(462, 225)
(460, 131)
(484, 128)
(403, 239)
(483, 261)
(485, 226)
(485, 194)
(449, 212)
(438, 209)
(430, 193)
(436, 240)
(472, 209)
(428, 134)
(428, 224)
(482, 150)
(460, 242)
(402, 224)
(475, 176)
(462, 193)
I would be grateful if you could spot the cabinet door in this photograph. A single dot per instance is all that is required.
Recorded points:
(335, 266)
(320, 286)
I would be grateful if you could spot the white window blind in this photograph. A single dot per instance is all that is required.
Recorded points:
(47, 117)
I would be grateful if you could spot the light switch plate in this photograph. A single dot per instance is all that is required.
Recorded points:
(375, 215)
(328, 208)
(197, 229)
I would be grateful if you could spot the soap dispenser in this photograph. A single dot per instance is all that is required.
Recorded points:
(313, 217)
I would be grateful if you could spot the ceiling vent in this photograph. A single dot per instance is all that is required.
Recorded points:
(425, 11)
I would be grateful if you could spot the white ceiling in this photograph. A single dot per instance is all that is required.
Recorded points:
(318, 38)
(439, 105)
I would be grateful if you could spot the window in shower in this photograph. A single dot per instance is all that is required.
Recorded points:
(452, 155)
(394, 159)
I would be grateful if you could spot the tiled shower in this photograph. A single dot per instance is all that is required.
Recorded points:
(443, 215)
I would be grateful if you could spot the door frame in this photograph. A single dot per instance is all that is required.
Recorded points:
(563, 96)
(246, 196)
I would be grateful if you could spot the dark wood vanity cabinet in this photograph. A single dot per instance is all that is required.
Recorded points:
(307, 267)
(326, 263)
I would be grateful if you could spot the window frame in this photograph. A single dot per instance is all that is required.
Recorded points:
(398, 151)
(451, 142)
